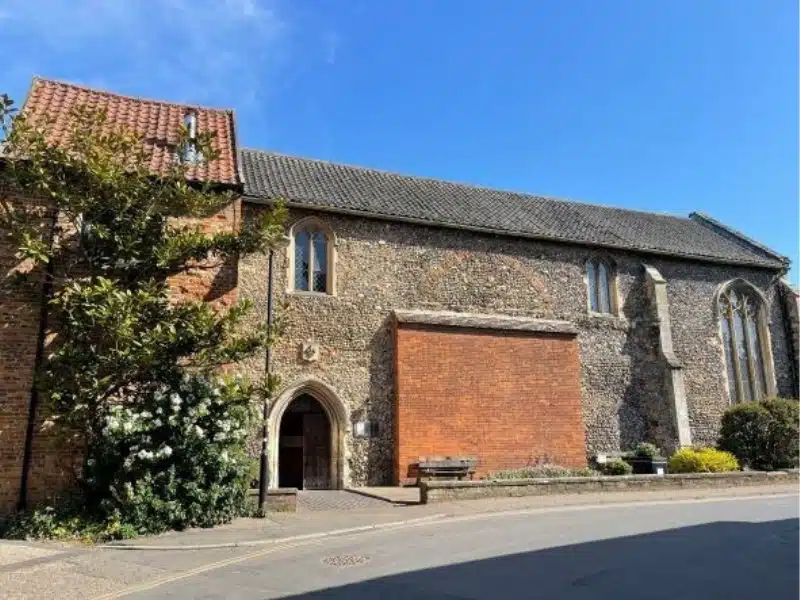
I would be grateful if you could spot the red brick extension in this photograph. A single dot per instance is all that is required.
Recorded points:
(507, 398)
(51, 463)
(159, 122)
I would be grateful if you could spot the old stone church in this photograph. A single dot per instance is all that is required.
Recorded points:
(428, 318)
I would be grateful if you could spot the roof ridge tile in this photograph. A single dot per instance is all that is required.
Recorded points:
(103, 92)
(474, 186)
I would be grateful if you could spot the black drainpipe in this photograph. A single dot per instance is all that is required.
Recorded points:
(33, 405)
(264, 469)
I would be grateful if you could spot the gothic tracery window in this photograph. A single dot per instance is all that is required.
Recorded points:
(740, 313)
(600, 279)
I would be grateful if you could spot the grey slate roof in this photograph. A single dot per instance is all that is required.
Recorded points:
(335, 187)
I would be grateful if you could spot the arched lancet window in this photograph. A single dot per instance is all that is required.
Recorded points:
(747, 355)
(600, 280)
(312, 257)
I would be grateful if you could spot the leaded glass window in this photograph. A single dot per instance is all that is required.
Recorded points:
(591, 275)
(600, 279)
(319, 247)
(311, 260)
(740, 314)
(302, 256)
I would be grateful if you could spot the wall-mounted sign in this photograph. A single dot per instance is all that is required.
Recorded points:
(365, 429)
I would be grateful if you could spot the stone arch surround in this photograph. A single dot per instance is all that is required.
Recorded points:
(329, 399)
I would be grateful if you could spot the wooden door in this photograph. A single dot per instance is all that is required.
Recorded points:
(316, 452)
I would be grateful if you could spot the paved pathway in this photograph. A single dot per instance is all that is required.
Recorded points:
(322, 500)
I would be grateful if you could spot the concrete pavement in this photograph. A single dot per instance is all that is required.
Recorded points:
(408, 561)
(280, 526)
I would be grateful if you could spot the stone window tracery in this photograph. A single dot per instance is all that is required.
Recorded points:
(743, 324)
(602, 286)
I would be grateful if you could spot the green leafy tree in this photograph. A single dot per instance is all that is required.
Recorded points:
(133, 376)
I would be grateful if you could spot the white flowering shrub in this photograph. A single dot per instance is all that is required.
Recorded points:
(174, 456)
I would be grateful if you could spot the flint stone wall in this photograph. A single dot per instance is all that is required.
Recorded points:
(383, 266)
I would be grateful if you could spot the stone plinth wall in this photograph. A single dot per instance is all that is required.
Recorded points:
(450, 491)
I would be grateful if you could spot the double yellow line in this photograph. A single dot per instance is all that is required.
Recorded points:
(199, 570)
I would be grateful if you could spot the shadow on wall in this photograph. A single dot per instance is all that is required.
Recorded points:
(224, 282)
(644, 413)
(380, 404)
(726, 560)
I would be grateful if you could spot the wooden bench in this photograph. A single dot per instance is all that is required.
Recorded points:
(450, 468)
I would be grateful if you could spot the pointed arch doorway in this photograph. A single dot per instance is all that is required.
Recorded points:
(306, 427)
(304, 446)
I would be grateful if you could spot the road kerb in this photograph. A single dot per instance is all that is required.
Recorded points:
(283, 540)
(449, 517)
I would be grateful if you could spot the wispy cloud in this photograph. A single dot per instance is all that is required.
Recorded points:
(242, 54)
(331, 40)
(193, 50)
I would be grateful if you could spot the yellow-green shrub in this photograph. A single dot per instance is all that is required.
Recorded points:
(702, 460)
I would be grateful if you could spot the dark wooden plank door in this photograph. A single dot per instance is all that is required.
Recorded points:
(316, 452)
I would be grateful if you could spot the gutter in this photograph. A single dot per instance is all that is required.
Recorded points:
(510, 234)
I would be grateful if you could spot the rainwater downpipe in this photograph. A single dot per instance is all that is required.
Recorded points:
(33, 404)
(264, 468)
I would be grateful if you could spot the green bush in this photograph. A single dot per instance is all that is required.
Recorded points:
(542, 471)
(65, 522)
(762, 435)
(254, 473)
(702, 460)
(744, 431)
(616, 466)
(645, 450)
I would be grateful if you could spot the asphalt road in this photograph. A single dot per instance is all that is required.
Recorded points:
(727, 549)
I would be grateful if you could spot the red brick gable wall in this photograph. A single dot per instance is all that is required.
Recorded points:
(19, 324)
(508, 398)
(213, 281)
(52, 464)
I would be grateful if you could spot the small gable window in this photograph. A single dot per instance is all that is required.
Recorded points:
(312, 257)
(189, 154)
(601, 286)
(743, 324)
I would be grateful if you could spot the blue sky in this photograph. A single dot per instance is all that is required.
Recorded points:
(670, 106)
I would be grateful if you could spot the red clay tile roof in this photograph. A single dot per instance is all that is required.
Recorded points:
(158, 122)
